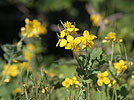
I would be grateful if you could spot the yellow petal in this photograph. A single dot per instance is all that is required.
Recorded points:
(77, 40)
(63, 42)
(68, 46)
(70, 38)
(105, 73)
(86, 34)
(100, 82)
(90, 44)
(121, 62)
(106, 80)
(62, 34)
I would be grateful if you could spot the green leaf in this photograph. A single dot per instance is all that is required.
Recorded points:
(95, 53)
(82, 60)
(113, 70)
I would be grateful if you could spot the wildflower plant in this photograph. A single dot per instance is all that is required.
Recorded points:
(92, 61)
(97, 76)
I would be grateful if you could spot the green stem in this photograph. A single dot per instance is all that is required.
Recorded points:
(77, 59)
(88, 85)
(99, 93)
(26, 94)
(115, 94)
(126, 55)
(27, 33)
(112, 52)
(9, 64)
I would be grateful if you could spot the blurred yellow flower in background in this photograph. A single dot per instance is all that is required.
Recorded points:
(33, 28)
(17, 90)
(95, 18)
(111, 36)
(11, 71)
(50, 74)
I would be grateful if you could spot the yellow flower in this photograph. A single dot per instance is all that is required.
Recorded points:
(17, 90)
(66, 83)
(106, 21)
(73, 43)
(132, 74)
(87, 39)
(7, 80)
(111, 36)
(27, 55)
(11, 71)
(25, 65)
(95, 18)
(33, 28)
(102, 77)
(61, 42)
(74, 81)
(43, 91)
(120, 66)
(50, 74)
(70, 28)
(31, 47)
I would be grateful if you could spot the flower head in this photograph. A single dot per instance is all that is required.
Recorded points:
(111, 36)
(120, 66)
(73, 43)
(87, 39)
(69, 82)
(33, 28)
(102, 77)
(66, 83)
(95, 18)
(11, 71)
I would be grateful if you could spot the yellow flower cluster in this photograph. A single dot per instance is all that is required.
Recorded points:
(111, 36)
(28, 53)
(73, 81)
(33, 28)
(11, 71)
(120, 66)
(68, 39)
(102, 77)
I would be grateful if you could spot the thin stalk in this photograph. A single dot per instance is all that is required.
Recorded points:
(115, 94)
(99, 93)
(77, 59)
(88, 85)
(112, 52)
(64, 26)
(26, 94)
(9, 64)
(24, 36)
(126, 55)
(108, 93)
